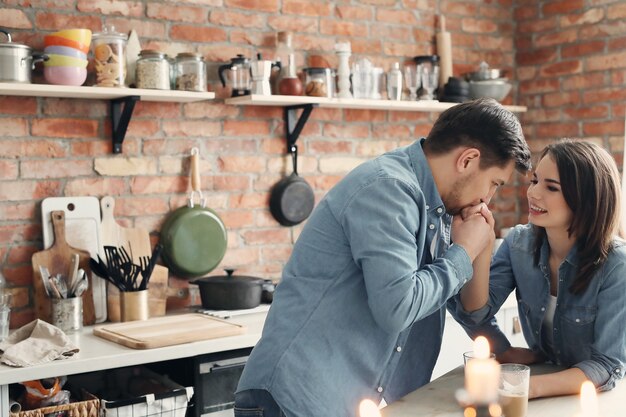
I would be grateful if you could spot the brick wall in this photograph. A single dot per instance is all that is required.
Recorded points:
(61, 147)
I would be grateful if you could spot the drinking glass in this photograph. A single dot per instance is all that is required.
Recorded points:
(429, 75)
(513, 390)
(412, 79)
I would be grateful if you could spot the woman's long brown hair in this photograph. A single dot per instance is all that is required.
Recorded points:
(590, 184)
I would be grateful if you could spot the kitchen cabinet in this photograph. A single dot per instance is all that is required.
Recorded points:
(98, 354)
(292, 104)
(122, 100)
(456, 341)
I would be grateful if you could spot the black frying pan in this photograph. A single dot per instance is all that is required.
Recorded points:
(292, 198)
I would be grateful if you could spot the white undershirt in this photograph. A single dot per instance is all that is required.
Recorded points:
(548, 322)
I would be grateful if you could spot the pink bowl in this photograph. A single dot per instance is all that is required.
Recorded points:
(65, 75)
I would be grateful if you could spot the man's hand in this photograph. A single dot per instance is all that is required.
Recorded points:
(520, 355)
(473, 229)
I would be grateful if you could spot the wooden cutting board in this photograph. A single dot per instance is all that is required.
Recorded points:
(168, 330)
(136, 240)
(82, 231)
(58, 259)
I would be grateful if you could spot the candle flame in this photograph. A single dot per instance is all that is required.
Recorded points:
(368, 408)
(481, 348)
(588, 399)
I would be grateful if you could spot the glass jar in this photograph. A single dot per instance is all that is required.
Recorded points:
(153, 70)
(190, 70)
(319, 82)
(109, 50)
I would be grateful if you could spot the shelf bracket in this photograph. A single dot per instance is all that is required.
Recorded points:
(294, 124)
(120, 117)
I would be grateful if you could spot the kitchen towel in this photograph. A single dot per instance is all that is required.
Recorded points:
(36, 343)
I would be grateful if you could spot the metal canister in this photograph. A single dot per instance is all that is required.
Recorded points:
(67, 313)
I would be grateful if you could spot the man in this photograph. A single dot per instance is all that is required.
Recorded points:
(359, 312)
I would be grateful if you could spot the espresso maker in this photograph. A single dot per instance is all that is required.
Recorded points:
(238, 75)
(261, 72)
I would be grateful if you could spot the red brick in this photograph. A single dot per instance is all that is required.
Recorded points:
(494, 42)
(315, 43)
(604, 95)
(145, 28)
(307, 8)
(249, 200)
(247, 127)
(256, 237)
(332, 130)
(260, 5)
(472, 25)
(536, 26)
(525, 12)
(615, 127)
(95, 186)
(583, 81)
(122, 8)
(18, 105)
(616, 11)
(55, 169)
(13, 233)
(19, 211)
(177, 12)
(539, 56)
(319, 147)
(394, 132)
(538, 85)
(197, 33)
(238, 219)
(562, 7)
(349, 12)
(15, 19)
(404, 49)
(589, 17)
(595, 112)
(561, 68)
(65, 128)
(582, 48)
(57, 21)
(561, 99)
(223, 17)
(387, 32)
(396, 17)
(607, 61)
(557, 130)
(556, 38)
(341, 28)
(241, 164)
(231, 182)
(294, 24)
(13, 127)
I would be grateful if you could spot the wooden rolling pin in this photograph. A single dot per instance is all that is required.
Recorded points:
(444, 50)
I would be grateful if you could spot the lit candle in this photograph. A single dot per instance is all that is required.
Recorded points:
(368, 408)
(482, 374)
(588, 400)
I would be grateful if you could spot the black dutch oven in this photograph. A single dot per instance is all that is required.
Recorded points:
(233, 292)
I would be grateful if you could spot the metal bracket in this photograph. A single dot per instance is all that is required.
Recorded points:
(120, 119)
(294, 125)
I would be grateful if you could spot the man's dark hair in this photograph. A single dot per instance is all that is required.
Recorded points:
(485, 125)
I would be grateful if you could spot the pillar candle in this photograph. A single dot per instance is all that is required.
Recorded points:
(588, 400)
(482, 374)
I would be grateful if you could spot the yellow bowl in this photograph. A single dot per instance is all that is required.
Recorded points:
(78, 35)
(56, 60)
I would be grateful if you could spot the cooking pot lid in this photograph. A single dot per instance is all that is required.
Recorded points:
(10, 43)
(230, 279)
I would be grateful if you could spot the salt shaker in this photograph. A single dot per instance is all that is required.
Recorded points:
(343, 50)
(394, 82)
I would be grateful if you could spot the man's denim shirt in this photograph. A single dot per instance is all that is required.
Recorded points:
(589, 329)
(359, 311)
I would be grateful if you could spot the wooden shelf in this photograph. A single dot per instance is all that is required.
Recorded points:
(102, 93)
(122, 100)
(351, 103)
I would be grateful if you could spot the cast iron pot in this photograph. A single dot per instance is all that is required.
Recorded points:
(230, 292)
(292, 198)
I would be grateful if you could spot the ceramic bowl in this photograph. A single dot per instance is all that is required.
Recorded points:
(55, 60)
(77, 35)
(66, 51)
(50, 40)
(496, 89)
(65, 75)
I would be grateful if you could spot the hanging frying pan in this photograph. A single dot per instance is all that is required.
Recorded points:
(193, 236)
(292, 198)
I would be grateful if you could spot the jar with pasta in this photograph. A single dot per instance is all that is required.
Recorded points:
(190, 72)
(109, 50)
(153, 70)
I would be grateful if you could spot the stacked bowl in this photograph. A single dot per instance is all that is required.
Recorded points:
(67, 56)
(488, 82)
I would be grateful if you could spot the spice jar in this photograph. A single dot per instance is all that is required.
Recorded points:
(319, 82)
(153, 70)
(190, 70)
(110, 57)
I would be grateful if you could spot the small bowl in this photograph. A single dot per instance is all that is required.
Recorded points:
(55, 60)
(65, 51)
(496, 89)
(65, 75)
(77, 35)
(50, 40)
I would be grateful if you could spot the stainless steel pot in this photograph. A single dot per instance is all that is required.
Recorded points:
(17, 61)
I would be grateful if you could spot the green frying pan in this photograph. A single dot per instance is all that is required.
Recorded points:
(194, 237)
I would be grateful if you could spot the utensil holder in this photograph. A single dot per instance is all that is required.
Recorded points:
(67, 313)
(134, 305)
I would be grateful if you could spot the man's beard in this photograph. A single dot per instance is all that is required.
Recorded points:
(452, 201)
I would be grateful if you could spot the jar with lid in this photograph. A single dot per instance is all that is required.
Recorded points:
(319, 82)
(153, 70)
(190, 72)
(109, 50)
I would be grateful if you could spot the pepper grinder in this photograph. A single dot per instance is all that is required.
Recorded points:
(343, 51)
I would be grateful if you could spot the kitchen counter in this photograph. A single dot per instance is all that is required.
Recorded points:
(436, 399)
(98, 354)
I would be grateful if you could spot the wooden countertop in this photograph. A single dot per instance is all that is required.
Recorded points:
(436, 399)
(97, 353)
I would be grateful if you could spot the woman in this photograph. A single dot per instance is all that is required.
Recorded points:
(568, 269)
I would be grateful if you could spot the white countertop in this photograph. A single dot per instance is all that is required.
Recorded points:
(98, 354)
(436, 399)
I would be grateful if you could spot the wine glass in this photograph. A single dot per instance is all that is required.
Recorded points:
(412, 79)
(429, 75)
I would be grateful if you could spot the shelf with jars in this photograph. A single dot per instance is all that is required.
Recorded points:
(123, 100)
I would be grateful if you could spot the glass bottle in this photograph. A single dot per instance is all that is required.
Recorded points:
(153, 70)
(394, 82)
(190, 72)
(290, 84)
(284, 49)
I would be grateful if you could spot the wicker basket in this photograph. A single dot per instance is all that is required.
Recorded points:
(89, 407)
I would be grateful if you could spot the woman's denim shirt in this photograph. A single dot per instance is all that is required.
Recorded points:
(589, 328)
